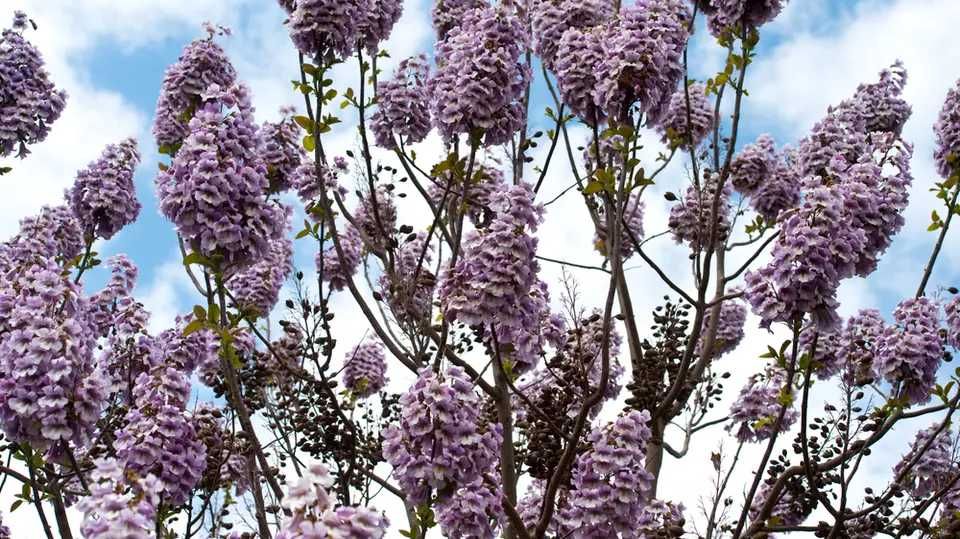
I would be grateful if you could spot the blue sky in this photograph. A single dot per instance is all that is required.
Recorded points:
(111, 56)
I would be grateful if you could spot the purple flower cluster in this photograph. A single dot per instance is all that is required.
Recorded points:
(105, 304)
(858, 345)
(4, 531)
(313, 516)
(159, 436)
(910, 350)
(476, 196)
(53, 234)
(754, 165)
(202, 64)
(215, 189)
(952, 310)
(338, 270)
(479, 83)
(641, 63)
(29, 101)
(699, 117)
(282, 152)
(364, 369)
(403, 108)
(408, 288)
(318, 27)
(440, 441)
(633, 219)
(733, 316)
(692, 219)
(50, 389)
(257, 287)
(925, 471)
(120, 504)
(879, 105)
(610, 483)
(578, 57)
(816, 249)
(947, 132)
(550, 19)
(379, 17)
(474, 510)
(447, 15)
(311, 181)
(723, 15)
(779, 192)
(103, 196)
(827, 357)
(754, 413)
(376, 219)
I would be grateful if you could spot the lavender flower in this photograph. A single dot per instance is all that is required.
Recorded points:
(104, 305)
(376, 219)
(754, 165)
(641, 59)
(403, 105)
(550, 19)
(675, 120)
(925, 469)
(53, 234)
(947, 132)
(610, 483)
(378, 19)
(692, 219)
(440, 441)
(4, 531)
(479, 83)
(909, 351)
(827, 358)
(724, 15)
(780, 191)
(119, 504)
(202, 64)
(103, 196)
(449, 14)
(858, 346)
(322, 27)
(633, 218)
(159, 436)
(880, 105)
(312, 515)
(578, 59)
(50, 389)
(215, 189)
(282, 152)
(257, 288)
(952, 310)
(364, 369)
(29, 101)
(336, 269)
(408, 288)
(754, 415)
(474, 510)
(733, 315)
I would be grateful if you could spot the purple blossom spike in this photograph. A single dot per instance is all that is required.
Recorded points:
(729, 15)
(282, 152)
(202, 64)
(440, 441)
(952, 309)
(733, 316)
(312, 181)
(53, 234)
(910, 351)
(699, 117)
(858, 346)
(474, 510)
(692, 219)
(947, 132)
(550, 19)
(610, 484)
(480, 81)
(827, 358)
(376, 219)
(578, 58)
(753, 416)
(779, 193)
(641, 58)
(336, 269)
(119, 504)
(378, 19)
(364, 369)
(257, 288)
(29, 101)
(215, 189)
(403, 107)
(880, 105)
(50, 388)
(103, 196)
(159, 436)
(447, 15)
(754, 165)
(932, 470)
(320, 27)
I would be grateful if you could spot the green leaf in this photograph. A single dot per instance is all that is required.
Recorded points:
(309, 143)
(196, 258)
(593, 187)
(15, 505)
(303, 233)
(304, 122)
(199, 313)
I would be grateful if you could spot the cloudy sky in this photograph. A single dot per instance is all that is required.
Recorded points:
(110, 56)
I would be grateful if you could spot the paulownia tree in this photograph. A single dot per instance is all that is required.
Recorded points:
(532, 413)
